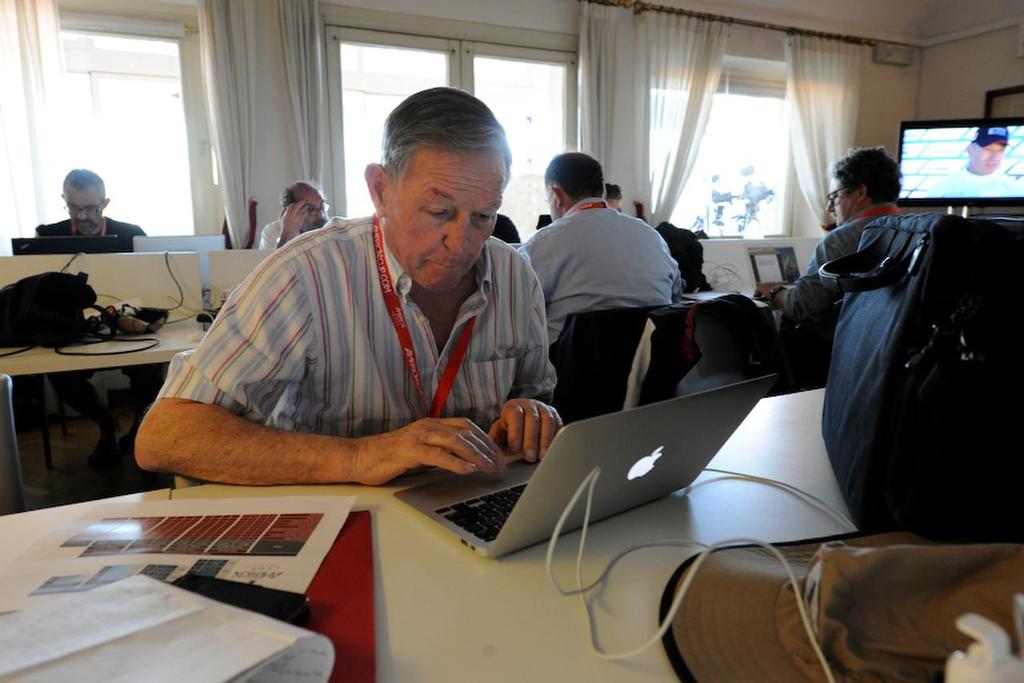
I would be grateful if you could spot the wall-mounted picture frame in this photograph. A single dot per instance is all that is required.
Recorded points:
(1004, 102)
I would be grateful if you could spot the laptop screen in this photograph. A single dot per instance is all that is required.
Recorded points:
(71, 244)
(774, 264)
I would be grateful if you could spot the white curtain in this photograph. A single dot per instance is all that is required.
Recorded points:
(608, 107)
(822, 90)
(646, 85)
(599, 29)
(30, 73)
(227, 33)
(677, 75)
(301, 43)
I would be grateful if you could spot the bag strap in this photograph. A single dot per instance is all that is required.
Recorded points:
(862, 270)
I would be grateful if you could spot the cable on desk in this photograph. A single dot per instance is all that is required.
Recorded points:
(181, 293)
(581, 590)
(14, 353)
(170, 271)
(153, 344)
(775, 483)
(71, 260)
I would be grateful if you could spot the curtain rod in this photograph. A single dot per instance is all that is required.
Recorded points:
(638, 7)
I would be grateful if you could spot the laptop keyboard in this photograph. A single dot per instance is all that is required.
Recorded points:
(484, 516)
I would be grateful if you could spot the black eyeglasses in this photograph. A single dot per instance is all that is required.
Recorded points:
(314, 209)
(832, 196)
(91, 209)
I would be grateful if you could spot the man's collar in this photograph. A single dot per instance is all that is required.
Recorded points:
(869, 208)
(574, 209)
(585, 200)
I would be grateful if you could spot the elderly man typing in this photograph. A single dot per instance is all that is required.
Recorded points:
(374, 346)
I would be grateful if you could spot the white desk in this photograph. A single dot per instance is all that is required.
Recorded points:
(445, 614)
(154, 279)
(173, 338)
(116, 276)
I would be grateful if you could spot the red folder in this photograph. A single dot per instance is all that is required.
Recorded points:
(341, 601)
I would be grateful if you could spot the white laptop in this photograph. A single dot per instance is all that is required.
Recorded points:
(774, 264)
(644, 453)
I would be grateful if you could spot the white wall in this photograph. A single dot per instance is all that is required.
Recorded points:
(956, 75)
(888, 95)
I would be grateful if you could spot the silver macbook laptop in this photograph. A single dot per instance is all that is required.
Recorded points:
(643, 453)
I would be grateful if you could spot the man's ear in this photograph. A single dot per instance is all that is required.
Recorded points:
(104, 204)
(377, 182)
(562, 200)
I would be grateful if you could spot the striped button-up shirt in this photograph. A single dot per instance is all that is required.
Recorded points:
(306, 344)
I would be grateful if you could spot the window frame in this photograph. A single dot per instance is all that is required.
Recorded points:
(460, 75)
(336, 35)
(207, 211)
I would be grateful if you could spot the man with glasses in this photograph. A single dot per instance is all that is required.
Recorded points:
(865, 185)
(302, 209)
(85, 197)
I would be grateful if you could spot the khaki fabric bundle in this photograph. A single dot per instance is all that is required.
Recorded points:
(883, 607)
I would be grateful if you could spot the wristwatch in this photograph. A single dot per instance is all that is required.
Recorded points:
(773, 291)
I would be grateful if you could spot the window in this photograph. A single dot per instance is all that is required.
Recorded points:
(530, 100)
(375, 78)
(123, 118)
(737, 187)
(532, 93)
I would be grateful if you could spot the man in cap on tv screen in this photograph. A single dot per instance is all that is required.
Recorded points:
(982, 176)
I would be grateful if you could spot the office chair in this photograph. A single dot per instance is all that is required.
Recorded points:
(723, 359)
(696, 346)
(11, 497)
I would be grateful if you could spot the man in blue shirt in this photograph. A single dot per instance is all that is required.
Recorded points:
(593, 257)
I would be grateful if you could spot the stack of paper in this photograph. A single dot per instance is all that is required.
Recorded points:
(140, 628)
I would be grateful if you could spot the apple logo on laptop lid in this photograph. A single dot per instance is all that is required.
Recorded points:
(644, 464)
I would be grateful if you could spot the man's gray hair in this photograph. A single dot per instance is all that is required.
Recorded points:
(82, 179)
(445, 119)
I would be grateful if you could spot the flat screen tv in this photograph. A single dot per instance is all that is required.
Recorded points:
(962, 162)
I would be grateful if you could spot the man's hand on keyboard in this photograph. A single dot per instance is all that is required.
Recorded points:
(451, 443)
(526, 427)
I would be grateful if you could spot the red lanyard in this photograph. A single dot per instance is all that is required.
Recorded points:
(876, 212)
(583, 207)
(444, 386)
(103, 227)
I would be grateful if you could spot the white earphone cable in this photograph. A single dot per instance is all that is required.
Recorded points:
(589, 482)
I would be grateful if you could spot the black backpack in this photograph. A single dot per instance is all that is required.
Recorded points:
(922, 408)
(46, 310)
(688, 252)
